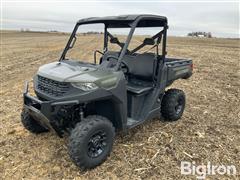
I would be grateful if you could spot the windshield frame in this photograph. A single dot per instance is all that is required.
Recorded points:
(124, 49)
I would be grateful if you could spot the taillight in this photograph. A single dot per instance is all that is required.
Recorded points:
(191, 66)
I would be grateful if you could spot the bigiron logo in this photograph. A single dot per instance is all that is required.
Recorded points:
(201, 171)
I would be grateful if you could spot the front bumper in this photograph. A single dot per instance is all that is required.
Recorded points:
(43, 111)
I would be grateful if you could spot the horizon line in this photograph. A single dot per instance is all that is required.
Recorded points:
(28, 30)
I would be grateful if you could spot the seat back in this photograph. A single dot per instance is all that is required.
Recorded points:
(140, 65)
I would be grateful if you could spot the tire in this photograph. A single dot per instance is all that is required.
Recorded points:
(173, 104)
(91, 141)
(187, 76)
(30, 124)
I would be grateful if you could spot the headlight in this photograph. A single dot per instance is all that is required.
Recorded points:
(85, 86)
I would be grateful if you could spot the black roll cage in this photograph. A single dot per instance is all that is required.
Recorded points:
(133, 24)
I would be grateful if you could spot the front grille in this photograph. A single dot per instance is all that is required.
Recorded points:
(51, 87)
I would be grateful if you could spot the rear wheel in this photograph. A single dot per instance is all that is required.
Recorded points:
(91, 141)
(30, 124)
(173, 104)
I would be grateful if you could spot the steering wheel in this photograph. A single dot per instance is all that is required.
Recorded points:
(123, 65)
(113, 57)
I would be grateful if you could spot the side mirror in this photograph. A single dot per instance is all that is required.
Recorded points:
(148, 41)
(73, 42)
(114, 40)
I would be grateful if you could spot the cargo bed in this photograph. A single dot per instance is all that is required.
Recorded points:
(178, 68)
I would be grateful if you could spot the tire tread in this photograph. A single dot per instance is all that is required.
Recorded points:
(168, 104)
(78, 136)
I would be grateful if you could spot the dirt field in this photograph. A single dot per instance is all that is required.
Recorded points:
(208, 131)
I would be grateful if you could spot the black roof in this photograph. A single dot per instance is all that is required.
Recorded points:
(146, 20)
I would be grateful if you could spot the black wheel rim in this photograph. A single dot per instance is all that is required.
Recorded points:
(179, 106)
(97, 144)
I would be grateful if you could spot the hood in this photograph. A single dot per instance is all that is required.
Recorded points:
(64, 71)
(74, 71)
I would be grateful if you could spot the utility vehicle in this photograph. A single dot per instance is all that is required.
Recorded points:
(90, 101)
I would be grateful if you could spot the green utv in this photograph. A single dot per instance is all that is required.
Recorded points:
(118, 91)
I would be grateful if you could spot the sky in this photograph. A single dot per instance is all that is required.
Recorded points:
(220, 18)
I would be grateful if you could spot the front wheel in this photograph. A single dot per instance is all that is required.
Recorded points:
(91, 141)
(173, 104)
(30, 124)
